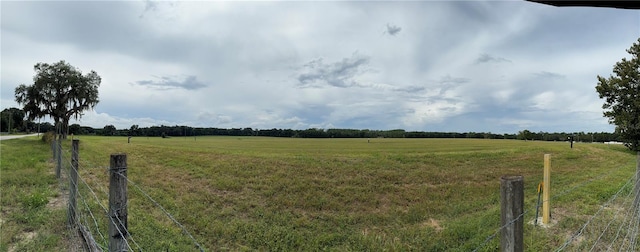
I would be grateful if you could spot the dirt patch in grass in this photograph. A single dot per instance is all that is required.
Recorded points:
(433, 223)
(58, 202)
(23, 238)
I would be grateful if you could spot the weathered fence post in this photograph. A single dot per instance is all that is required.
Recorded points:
(58, 157)
(636, 188)
(53, 148)
(546, 189)
(118, 203)
(73, 182)
(511, 208)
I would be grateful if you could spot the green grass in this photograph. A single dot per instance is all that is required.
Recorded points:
(27, 184)
(290, 194)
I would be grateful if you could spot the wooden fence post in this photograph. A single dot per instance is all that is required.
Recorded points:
(636, 188)
(546, 189)
(73, 182)
(53, 148)
(511, 209)
(118, 203)
(58, 157)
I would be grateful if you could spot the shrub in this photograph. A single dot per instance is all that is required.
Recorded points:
(48, 137)
(35, 200)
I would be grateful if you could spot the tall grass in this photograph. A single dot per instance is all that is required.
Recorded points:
(289, 194)
(27, 184)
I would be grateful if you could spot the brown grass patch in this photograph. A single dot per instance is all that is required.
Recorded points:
(433, 223)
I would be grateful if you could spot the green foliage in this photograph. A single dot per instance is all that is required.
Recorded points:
(621, 92)
(35, 200)
(60, 91)
(12, 119)
(109, 130)
(48, 137)
(525, 135)
(75, 129)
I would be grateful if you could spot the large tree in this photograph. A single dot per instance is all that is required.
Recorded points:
(59, 91)
(621, 92)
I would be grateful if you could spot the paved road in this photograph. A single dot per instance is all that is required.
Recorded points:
(7, 137)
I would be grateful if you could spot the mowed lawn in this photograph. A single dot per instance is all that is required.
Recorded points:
(291, 194)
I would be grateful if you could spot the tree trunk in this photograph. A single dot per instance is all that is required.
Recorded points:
(61, 129)
(65, 128)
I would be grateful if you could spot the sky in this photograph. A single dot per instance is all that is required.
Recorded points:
(453, 66)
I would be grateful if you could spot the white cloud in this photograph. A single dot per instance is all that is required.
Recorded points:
(377, 65)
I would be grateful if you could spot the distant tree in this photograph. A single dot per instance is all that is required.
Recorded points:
(87, 130)
(59, 91)
(12, 118)
(45, 127)
(525, 134)
(621, 92)
(134, 130)
(109, 130)
(75, 129)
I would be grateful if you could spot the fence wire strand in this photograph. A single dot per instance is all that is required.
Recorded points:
(64, 156)
(560, 194)
(602, 207)
(630, 218)
(615, 217)
(165, 212)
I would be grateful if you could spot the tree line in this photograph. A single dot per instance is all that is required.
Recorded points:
(13, 120)
(187, 131)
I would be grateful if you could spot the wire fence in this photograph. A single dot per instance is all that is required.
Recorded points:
(596, 233)
(614, 226)
(93, 210)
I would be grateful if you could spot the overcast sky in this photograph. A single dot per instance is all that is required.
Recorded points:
(483, 66)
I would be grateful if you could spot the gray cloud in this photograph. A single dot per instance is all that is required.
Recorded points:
(452, 81)
(447, 83)
(337, 74)
(486, 58)
(149, 6)
(545, 74)
(410, 89)
(393, 29)
(173, 82)
(207, 40)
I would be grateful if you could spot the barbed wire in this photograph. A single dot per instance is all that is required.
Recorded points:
(71, 167)
(127, 231)
(165, 212)
(632, 240)
(119, 231)
(602, 207)
(560, 194)
(632, 221)
(84, 201)
(615, 217)
(85, 163)
(95, 221)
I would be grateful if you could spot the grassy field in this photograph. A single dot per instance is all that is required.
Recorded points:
(31, 218)
(290, 194)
